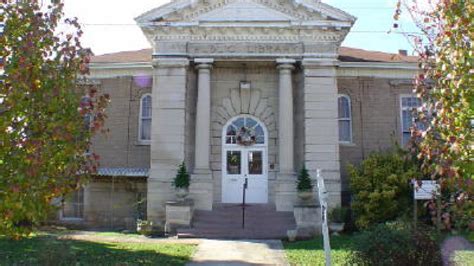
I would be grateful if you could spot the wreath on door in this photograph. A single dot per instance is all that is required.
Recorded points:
(246, 136)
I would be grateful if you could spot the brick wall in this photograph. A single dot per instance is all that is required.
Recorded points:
(375, 119)
(120, 146)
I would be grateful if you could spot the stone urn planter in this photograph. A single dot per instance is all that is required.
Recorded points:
(337, 218)
(292, 234)
(182, 194)
(336, 228)
(305, 196)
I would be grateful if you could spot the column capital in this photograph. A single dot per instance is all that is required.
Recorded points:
(286, 63)
(283, 61)
(204, 63)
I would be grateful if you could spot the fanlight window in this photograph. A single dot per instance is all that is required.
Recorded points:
(245, 131)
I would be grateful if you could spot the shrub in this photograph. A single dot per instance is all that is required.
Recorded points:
(182, 179)
(338, 215)
(304, 182)
(395, 244)
(381, 187)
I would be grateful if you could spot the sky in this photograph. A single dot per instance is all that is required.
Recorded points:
(109, 25)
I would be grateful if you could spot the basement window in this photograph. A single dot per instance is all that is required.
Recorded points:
(73, 206)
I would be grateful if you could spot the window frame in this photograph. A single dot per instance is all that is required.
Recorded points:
(402, 108)
(351, 138)
(74, 219)
(140, 120)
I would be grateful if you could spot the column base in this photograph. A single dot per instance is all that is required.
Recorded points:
(285, 192)
(202, 172)
(202, 191)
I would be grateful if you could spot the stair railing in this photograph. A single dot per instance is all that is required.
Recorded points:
(323, 200)
(244, 190)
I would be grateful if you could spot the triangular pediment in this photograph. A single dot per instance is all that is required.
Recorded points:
(244, 10)
(187, 11)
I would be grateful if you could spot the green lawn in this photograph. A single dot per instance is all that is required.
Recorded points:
(47, 250)
(312, 252)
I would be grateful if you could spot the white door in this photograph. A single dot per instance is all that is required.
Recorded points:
(245, 162)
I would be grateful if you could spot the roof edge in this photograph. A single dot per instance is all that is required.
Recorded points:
(161, 11)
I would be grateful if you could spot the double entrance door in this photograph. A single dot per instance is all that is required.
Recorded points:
(241, 165)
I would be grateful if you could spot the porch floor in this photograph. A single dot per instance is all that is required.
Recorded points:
(262, 221)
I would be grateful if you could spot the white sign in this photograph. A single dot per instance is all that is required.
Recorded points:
(425, 190)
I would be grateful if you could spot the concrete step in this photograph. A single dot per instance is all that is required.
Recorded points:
(225, 222)
(231, 234)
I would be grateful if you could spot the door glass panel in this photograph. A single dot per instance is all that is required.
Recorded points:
(233, 162)
(255, 163)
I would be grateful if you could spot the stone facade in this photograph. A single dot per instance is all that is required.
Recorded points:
(213, 61)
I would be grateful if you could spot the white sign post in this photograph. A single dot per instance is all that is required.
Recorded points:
(426, 190)
(323, 200)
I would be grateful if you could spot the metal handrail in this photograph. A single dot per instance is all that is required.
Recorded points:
(244, 190)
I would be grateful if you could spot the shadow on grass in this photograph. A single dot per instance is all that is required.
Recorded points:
(47, 250)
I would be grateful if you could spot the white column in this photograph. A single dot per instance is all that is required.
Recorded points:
(285, 118)
(203, 117)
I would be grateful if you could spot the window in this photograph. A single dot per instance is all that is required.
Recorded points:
(345, 119)
(73, 206)
(408, 105)
(145, 118)
(245, 130)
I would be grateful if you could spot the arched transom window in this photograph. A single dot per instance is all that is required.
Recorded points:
(245, 131)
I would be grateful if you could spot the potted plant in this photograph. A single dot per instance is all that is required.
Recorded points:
(337, 219)
(304, 185)
(144, 227)
(182, 182)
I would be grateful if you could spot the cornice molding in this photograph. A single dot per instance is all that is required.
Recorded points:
(178, 62)
(239, 34)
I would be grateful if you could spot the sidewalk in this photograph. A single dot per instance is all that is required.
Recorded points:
(241, 252)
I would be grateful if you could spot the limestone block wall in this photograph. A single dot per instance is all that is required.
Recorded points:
(228, 101)
(321, 148)
(375, 119)
(120, 147)
(168, 146)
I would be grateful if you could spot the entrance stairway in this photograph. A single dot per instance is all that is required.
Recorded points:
(262, 221)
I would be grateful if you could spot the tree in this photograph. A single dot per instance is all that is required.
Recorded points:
(446, 85)
(45, 112)
(304, 182)
(182, 179)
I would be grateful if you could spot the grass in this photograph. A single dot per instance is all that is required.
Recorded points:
(312, 252)
(48, 250)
